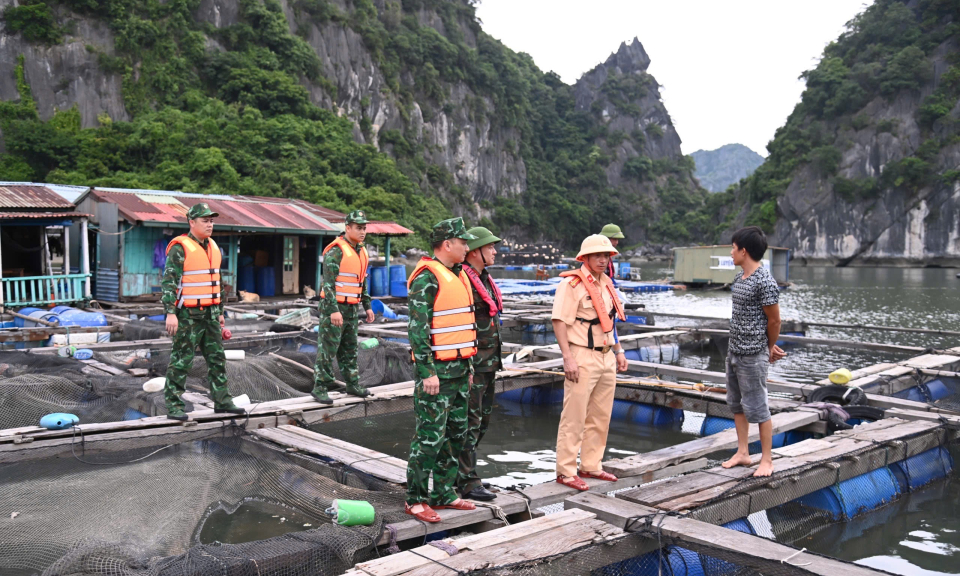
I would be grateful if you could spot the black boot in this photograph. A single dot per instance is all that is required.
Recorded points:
(319, 394)
(480, 494)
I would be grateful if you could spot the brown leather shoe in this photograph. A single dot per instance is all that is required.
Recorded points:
(428, 515)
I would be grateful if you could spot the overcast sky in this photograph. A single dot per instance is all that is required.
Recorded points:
(728, 69)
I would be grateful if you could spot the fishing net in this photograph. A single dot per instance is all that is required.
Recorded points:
(146, 329)
(223, 504)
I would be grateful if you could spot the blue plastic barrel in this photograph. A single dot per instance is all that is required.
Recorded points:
(533, 395)
(398, 289)
(38, 313)
(398, 273)
(382, 309)
(937, 390)
(74, 317)
(624, 271)
(378, 281)
(923, 468)
(246, 279)
(647, 414)
(133, 414)
(265, 281)
(673, 561)
(713, 424)
(855, 495)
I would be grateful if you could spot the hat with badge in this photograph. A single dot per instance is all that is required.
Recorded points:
(450, 228)
(356, 217)
(200, 210)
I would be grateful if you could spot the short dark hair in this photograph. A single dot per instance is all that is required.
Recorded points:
(753, 240)
(438, 245)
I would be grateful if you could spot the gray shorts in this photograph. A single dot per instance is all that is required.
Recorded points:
(747, 386)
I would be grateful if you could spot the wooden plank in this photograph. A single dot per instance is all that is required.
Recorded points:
(413, 528)
(375, 466)
(536, 547)
(405, 561)
(636, 465)
(753, 551)
(554, 492)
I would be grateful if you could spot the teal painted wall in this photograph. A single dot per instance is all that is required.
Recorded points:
(139, 276)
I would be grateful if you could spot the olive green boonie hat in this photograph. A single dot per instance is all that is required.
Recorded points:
(612, 231)
(201, 210)
(483, 237)
(450, 228)
(356, 217)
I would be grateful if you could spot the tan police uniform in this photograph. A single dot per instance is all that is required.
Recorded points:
(588, 403)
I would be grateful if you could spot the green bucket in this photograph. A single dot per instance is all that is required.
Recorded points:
(352, 512)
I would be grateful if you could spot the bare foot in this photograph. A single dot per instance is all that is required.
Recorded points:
(738, 459)
(764, 469)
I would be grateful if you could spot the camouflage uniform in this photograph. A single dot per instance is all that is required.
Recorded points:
(485, 364)
(197, 327)
(338, 342)
(441, 418)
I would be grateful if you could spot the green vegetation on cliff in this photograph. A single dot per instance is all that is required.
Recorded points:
(885, 52)
(227, 110)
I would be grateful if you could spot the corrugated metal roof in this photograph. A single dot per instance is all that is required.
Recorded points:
(244, 212)
(71, 193)
(235, 211)
(27, 196)
(9, 215)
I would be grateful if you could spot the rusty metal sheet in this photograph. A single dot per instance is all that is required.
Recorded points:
(31, 196)
(9, 215)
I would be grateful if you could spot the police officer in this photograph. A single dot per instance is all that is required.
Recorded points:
(343, 291)
(612, 231)
(489, 304)
(584, 309)
(443, 341)
(192, 297)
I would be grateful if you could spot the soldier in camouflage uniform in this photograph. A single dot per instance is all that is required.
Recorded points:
(193, 326)
(489, 304)
(441, 387)
(339, 320)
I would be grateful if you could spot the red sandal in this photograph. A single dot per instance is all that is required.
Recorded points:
(573, 482)
(601, 475)
(461, 505)
(427, 515)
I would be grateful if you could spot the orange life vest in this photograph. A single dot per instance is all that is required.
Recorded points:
(353, 272)
(604, 316)
(200, 283)
(453, 332)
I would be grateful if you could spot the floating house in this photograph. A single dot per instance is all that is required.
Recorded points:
(44, 245)
(271, 246)
(706, 265)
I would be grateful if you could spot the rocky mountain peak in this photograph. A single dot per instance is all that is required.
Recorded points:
(629, 58)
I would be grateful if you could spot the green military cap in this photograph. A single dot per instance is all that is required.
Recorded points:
(200, 210)
(612, 231)
(356, 217)
(450, 228)
(483, 237)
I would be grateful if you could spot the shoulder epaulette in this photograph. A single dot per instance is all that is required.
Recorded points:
(575, 281)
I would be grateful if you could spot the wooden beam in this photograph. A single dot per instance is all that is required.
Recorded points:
(44, 333)
(636, 465)
(752, 551)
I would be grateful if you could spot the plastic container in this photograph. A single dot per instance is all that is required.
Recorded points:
(74, 317)
(378, 281)
(398, 289)
(234, 354)
(856, 495)
(132, 414)
(368, 343)
(533, 395)
(246, 278)
(398, 273)
(714, 424)
(624, 271)
(382, 309)
(58, 421)
(83, 354)
(352, 512)
(265, 281)
(37, 313)
(647, 414)
(923, 468)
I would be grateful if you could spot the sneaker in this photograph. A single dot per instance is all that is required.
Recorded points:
(321, 396)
